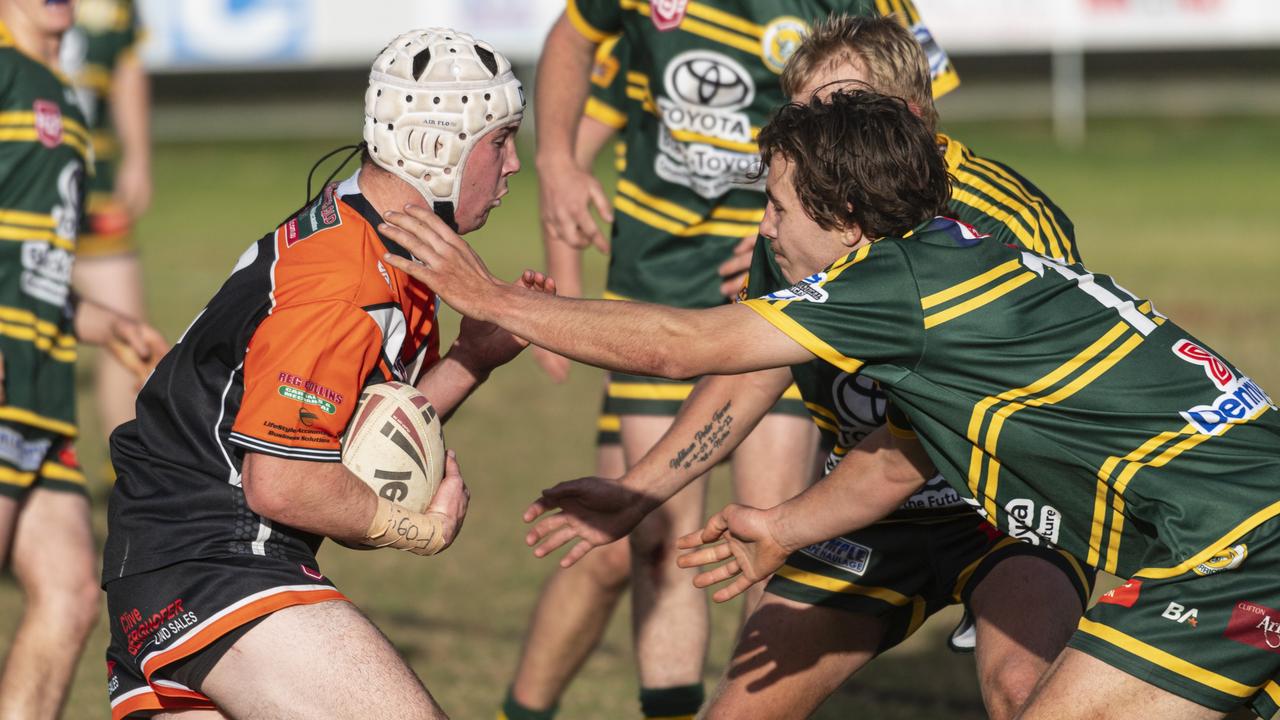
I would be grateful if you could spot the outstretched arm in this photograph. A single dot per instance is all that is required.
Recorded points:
(629, 337)
(869, 483)
(712, 422)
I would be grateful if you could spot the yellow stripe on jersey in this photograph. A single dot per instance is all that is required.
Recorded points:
(691, 137)
(1103, 490)
(649, 391)
(725, 34)
(21, 478)
(24, 234)
(1192, 440)
(823, 424)
(969, 285)
(802, 336)
(27, 417)
(817, 409)
(58, 471)
(739, 214)
(1273, 691)
(22, 217)
(609, 423)
(1014, 195)
(1169, 662)
(584, 28)
(980, 411)
(681, 214)
(725, 19)
(1250, 523)
(24, 325)
(604, 113)
(792, 393)
(822, 582)
(982, 300)
(670, 217)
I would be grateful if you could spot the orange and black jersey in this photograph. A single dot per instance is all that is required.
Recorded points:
(274, 364)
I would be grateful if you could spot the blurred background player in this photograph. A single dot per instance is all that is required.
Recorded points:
(690, 87)
(44, 509)
(227, 488)
(100, 54)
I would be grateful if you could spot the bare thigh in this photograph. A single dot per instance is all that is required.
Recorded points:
(321, 660)
(1081, 687)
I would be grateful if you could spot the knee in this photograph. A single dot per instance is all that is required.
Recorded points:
(1006, 686)
(612, 569)
(653, 552)
(74, 601)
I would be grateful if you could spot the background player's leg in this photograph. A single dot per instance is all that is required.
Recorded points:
(321, 660)
(790, 657)
(571, 616)
(55, 565)
(1025, 610)
(1081, 687)
(669, 615)
(774, 464)
(116, 282)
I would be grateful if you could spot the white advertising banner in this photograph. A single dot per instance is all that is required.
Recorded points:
(283, 34)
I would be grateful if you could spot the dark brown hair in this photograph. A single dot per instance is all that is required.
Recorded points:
(859, 158)
(896, 64)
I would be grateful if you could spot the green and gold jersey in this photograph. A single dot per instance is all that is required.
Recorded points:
(994, 199)
(105, 33)
(607, 100)
(44, 147)
(1065, 409)
(701, 77)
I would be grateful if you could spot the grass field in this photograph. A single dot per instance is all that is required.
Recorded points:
(1179, 211)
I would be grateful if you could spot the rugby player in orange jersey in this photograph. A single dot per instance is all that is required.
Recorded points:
(230, 477)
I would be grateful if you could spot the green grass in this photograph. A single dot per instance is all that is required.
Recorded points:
(1176, 210)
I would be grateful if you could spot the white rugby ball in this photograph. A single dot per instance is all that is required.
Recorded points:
(395, 444)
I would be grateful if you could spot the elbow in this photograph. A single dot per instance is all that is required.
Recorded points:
(672, 365)
(261, 493)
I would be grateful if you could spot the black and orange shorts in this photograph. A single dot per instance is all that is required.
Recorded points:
(171, 625)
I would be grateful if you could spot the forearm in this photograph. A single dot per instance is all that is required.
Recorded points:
(131, 109)
(870, 482)
(564, 72)
(321, 498)
(718, 415)
(564, 264)
(450, 381)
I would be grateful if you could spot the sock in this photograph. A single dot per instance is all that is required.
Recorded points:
(674, 702)
(512, 710)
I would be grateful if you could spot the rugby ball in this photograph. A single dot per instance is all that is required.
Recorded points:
(394, 443)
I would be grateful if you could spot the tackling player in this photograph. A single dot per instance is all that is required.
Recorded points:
(1066, 410)
(229, 478)
(698, 79)
(849, 599)
(44, 509)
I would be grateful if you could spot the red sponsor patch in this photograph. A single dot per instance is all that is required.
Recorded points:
(48, 122)
(667, 14)
(291, 232)
(1256, 625)
(313, 574)
(111, 668)
(67, 457)
(1124, 596)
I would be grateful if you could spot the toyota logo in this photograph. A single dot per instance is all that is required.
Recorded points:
(858, 400)
(709, 79)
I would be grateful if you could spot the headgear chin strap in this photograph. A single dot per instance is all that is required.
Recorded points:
(432, 95)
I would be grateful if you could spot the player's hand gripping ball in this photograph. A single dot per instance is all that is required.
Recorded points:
(395, 444)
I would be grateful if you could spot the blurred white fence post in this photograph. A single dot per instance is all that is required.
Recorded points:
(1069, 102)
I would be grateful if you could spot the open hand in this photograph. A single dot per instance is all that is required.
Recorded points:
(752, 551)
(595, 510)
(488, 346)
(446, 263)
(734, 270)
(567, 194)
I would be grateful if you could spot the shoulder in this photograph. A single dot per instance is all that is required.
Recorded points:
(325, 252)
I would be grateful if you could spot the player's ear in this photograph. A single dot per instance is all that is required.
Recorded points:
(852, 236)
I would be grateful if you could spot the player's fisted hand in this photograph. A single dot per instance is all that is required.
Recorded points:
(567, 192)
(428, 532)
(137, 346)
(749, 546)
(734, 270)
(447, 264)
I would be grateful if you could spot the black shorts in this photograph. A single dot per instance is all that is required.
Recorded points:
(169, 626)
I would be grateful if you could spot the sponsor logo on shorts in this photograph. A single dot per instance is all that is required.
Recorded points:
(1181, 614)
(1255, 625)
(159, 627)
(1229, 559)
(113, 682)
(23, 454)
(48, 119)
(305, 397)
(809, 288)
(313, 574)
(841, 553)
(667, 14)
(780, 39)
(1124, 596)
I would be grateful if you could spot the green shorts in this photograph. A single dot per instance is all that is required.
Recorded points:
(1210, 634)
(901, 572)
(31, 457)
(640, 395)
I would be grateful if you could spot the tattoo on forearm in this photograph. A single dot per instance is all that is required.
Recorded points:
(706, 440)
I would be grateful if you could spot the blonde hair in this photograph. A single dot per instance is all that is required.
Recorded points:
(897, 64)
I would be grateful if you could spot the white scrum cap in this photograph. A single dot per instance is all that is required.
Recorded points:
(432, 95)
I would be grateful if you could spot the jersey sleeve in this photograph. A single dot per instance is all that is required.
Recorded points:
(863, 309)
(607, 100)
(303, 372)
(596, 20)
(764, 276)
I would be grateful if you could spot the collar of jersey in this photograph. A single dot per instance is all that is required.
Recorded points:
(348, 191)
